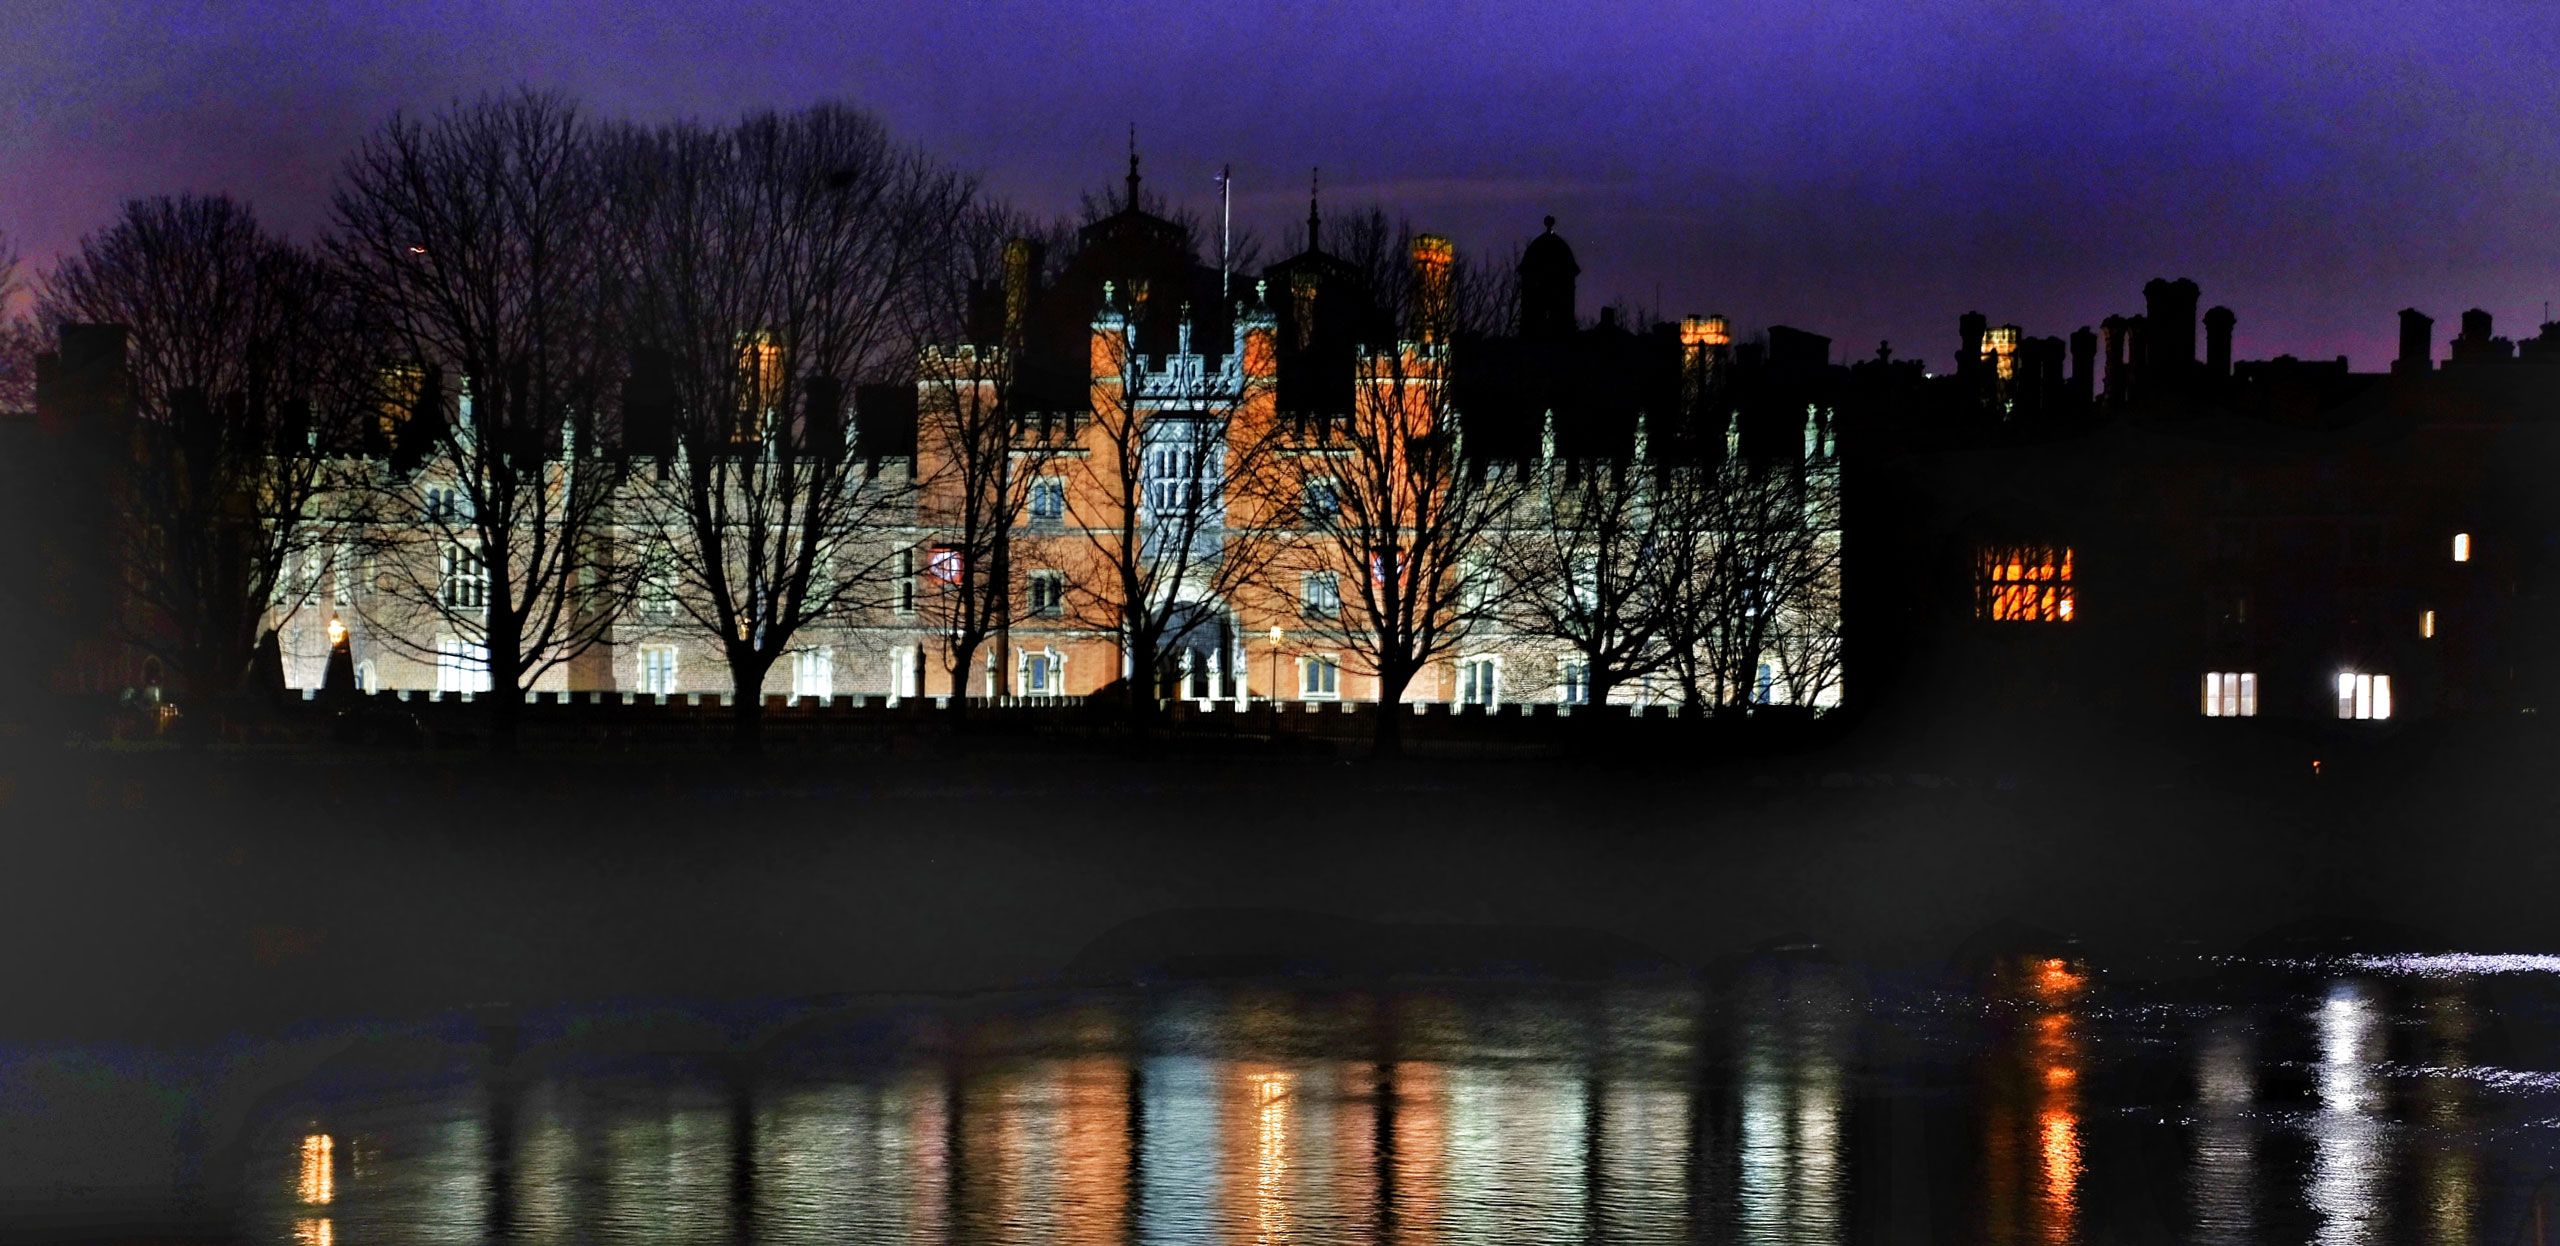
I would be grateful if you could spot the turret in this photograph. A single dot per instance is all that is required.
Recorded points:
(1547, 275)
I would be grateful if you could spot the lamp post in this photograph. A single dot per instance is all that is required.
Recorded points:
(1275, 678)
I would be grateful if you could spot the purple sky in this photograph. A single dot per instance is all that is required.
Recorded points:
(1863, 170)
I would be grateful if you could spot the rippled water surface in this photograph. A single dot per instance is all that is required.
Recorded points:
(2374, 1099)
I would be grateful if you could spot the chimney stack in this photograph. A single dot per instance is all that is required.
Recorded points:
(1433, 258)
(2114, 328)
(1970, 329)
(2217, 342)
(2169, 329)
(2417, 342)
(2084, 365)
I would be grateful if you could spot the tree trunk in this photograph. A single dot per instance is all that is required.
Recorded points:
(1389, 741)
(506, 697)
(746, 703)
(1145, 680)
(506, 713)
(964, 658)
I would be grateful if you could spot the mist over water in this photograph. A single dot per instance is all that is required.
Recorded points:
(2039, 1100)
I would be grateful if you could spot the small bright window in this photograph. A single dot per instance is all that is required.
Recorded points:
(1319, 677)
(813, 675)
(2462, 547)
(1576, 678)
(2363, 696)
(1048, 594)
(2427, 624)
(1039, 673)
(1320, 595)
(658, 669)
(2231, 694)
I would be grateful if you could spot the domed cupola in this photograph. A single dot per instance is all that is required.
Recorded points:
(1547, 273)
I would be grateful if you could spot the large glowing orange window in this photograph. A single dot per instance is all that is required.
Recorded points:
(2024, 583)
(759, 387)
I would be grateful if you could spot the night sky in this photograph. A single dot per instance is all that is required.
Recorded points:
(1863, 170)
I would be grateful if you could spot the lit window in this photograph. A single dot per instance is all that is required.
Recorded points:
(1048, 501)
(461, 665)
(760, 381)
(1040, 673)
(2024, 583)
(2462, 547)
(2231, 694)
(813, 675)
(465, 581)
(2363, 696)
(1048, 594)
(1319, 677)
(445, 505)
(2427, 624)
(657, 599)
(658, 669)
(1478, 682)
(1321, 500)
(1320, 595)
(1575, 678)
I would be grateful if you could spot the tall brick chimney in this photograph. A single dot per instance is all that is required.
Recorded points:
(2217, 342)
(2084, 365)
(2417, 342)
(2169, 330)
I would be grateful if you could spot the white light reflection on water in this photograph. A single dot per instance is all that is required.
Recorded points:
(2348, 1158)
(1505, 1115)
(2223, 1186)
(1792, 1088)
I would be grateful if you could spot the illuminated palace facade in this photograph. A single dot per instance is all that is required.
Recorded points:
(2162, 535)
(1150, 399)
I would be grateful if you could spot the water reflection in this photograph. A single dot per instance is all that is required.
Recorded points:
(1793, 1032)
(2223, 1185)
(2348, 1161)
(1794, 1104)
(2033, 1158)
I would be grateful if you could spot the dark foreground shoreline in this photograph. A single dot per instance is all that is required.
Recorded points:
(166, 893)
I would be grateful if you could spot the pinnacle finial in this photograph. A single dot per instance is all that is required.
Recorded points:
(1133, 166)
(1315, 222)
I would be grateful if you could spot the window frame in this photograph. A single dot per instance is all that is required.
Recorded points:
(2230, 694)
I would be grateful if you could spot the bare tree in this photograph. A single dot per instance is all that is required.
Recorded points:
(1395, 514)
(1751, 548)
(243, 394)
(1148, 497)
(21, 340)
(476, 242)
(765, 268)
(1806, 640)
(1575, 563)
(981, 457)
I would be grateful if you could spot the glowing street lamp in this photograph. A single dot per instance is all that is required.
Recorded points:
(1276, 634)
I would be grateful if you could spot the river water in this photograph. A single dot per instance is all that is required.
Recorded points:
(2035, 1099)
